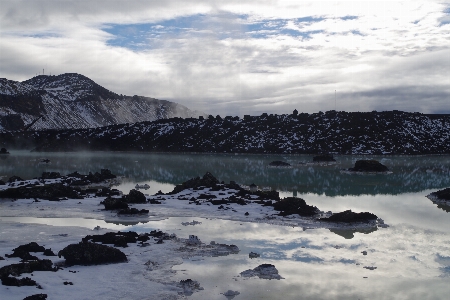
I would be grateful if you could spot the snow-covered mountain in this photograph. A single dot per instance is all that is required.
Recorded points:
(74, 101)
(390, 132)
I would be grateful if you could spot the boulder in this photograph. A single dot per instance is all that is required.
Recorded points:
(14, 179)
(368, 166)
(86, 253)
(135, 196)
(114, 203)
(4, 151)
(292, 205)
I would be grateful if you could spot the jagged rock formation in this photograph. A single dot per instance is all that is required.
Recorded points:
(331, 132)
(74, 101)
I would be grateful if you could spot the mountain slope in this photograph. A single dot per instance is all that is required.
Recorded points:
(75, 101)
(333, 132)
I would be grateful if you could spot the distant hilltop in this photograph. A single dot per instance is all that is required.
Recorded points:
(389, 132)
(73, 101)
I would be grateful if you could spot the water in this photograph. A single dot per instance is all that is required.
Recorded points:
(412, 256)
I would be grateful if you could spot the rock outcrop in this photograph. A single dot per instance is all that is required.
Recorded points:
(87, 253)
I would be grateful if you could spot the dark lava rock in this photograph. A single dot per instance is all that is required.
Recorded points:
(323, 157)
(13, 281)
(292, 205)
(368, 166)
(23, 251)
(36, 297)
(4, 151)
(105, 192)
(119, 239)
(351, 217)
(208, 180)
(26, 267)
(442, 194)
(2, 182)
(86, 253)
(14, 179)
(52, 192)
(49, 252)
(135, 196)
(50, 175)
(132, 211)
(279, 163)
(114, 203)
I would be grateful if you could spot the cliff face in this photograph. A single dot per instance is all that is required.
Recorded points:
(74, 101)
(331, 132)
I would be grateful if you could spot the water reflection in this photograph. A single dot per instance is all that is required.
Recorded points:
(350, 233)
(410, 173)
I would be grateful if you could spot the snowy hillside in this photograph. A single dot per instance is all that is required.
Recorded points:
(392, 132)
(75, 101)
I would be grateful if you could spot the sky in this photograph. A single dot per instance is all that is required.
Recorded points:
(241, 57)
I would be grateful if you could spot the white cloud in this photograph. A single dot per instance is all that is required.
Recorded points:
(377, 55)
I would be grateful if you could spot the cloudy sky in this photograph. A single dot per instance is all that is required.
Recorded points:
(241, 57)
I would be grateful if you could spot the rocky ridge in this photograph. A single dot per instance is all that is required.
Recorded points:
(391, 132)
(74, 101)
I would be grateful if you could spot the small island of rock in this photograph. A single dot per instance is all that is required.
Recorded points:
(368, 166)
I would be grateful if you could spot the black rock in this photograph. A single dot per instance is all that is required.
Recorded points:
(4, 151)
(50, 175)
(26, 267)
(86, 253)
(292, 205)
(36, 297)
(49, 252)
(114, 203)
(279, 163)
(208, 180)
(2, 182)
(119, 239)
(368, 166)
(14, 179)
(52, 192)
(351, 217)
(135, 196)
(23, 251)
(132, 211)
(13, 281)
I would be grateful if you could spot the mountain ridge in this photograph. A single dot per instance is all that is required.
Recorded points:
(73, 100)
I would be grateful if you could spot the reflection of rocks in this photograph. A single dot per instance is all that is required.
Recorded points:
(351, 217)
(264, 271)
(441, 198)
(86, 253)
(189, 286)
(368, 166)
(36, 297)
(443, 195)
(349, 233)
(279, 164)
(291, 205)
(231, 294)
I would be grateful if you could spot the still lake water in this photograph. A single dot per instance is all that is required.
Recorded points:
(412, 256)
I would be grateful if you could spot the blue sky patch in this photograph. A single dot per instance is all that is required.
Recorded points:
(139, 37)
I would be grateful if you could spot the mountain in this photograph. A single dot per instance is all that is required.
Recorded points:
(390, 132)
(74, 101)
